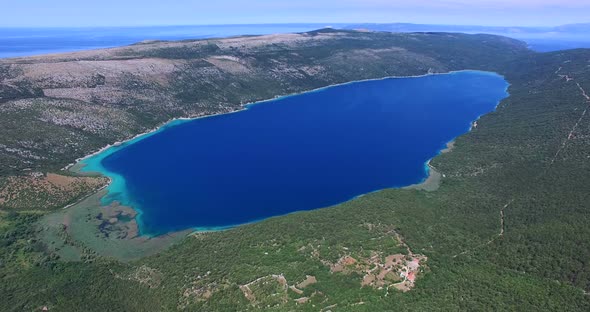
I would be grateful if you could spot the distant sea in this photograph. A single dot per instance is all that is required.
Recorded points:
(548, 45)
(540, 39)
(294, 153)
(16, 42)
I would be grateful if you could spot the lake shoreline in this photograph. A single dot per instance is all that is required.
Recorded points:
(434, 178)
(245, 106)
(430, 183)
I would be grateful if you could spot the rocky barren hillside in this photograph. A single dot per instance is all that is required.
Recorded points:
(56, 108)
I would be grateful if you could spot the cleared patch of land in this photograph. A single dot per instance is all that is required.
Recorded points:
(46, 191)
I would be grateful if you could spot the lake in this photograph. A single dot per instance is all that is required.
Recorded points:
(294, 153)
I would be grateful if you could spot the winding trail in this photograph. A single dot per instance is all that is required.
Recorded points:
(495, 237)
(502, 225)
(570, 135)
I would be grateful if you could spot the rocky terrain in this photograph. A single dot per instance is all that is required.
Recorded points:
(56, 108)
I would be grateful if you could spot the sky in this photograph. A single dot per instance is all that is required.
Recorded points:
(80, 13)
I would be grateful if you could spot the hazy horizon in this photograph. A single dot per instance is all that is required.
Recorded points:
(321, 24)
(135, 13)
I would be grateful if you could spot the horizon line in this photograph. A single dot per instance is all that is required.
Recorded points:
(327, 24)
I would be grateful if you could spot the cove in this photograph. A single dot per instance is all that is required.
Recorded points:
(294, 153)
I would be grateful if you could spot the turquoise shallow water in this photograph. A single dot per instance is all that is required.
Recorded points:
(295, 153)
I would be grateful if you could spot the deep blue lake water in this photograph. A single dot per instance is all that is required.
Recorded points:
(295, 153)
